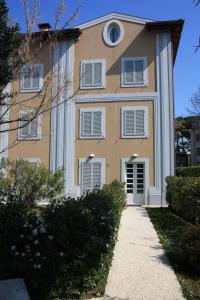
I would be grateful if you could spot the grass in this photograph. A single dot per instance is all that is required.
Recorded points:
(169, 227)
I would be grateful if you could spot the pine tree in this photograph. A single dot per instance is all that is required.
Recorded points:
(9, 42)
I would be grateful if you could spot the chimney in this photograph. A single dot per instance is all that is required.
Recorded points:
(44, 26)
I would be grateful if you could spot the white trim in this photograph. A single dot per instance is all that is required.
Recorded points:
(164, 148)
(106, 33)
(117, 97)
(108, 17)
(96, 109)
(63, 114)
(145, 71)
(41, 78)
(134, 108)
(4, 127)
(146, 172)
(91, 160)
(39, 127)
(103, 74)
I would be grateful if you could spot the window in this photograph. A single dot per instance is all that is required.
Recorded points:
(33, 161)
(92, 174)
(134, 122)
(134, 71)
(31, 78)
(198, 137)
(93, 74)
(198, 151)
(92, 123)
(113, 33)
(32, 130)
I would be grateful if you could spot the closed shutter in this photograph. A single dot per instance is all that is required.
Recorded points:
(133, 71)
(98, 74)
(140, 122)
(34, 127)
(87, 74)
(139, 71)
(134, 122)
(97, 123)
(91, 124)
(91, 176)
(128, 74)
(86, 177)
(86, 123)
(96, 175)
(129, 122)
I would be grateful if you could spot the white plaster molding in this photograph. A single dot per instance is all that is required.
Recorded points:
(111, 16)
(82, 98)
(106, 32)
(4, 127)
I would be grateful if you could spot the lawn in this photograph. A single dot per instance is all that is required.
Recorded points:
(169, 228)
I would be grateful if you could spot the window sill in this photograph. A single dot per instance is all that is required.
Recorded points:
(29, 138)
(123, 85)
(91, 137)
(30, 91)
(92, 87)
(135, 137)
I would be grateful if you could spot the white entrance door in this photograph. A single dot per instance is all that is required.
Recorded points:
(135, 188)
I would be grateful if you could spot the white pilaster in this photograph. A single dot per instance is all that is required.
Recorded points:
(4, 127)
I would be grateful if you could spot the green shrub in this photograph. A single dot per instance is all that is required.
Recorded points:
(193, 171)
(183, 196)
(27, 184)
(189, 247)
(74, 239)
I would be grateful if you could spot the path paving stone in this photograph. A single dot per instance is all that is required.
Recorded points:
(140, 269)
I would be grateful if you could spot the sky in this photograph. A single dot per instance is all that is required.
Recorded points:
(187, 66)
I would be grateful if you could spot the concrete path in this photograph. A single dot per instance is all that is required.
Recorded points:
(140, 269)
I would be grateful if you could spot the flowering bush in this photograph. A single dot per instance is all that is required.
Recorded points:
(65, 249)
(27, 184)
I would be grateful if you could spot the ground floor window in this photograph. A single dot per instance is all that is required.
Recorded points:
(91, 174)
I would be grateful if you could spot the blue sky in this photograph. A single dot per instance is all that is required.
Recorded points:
(187, 67)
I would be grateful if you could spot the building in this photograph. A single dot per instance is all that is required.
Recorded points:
(195, 143)
(115, 119)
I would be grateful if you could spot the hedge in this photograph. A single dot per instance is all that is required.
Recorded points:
(193, 171)
(65, 250)
(183, 196)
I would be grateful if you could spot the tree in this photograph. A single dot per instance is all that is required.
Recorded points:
(9, 43)
(195, 103)
(18, 53)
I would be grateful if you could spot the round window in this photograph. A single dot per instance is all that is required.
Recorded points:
(113, 33)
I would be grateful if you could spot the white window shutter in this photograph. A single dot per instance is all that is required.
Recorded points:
(35, 74)
(140, 128)
(128, 72)
(139, 71)
(86, 123)
(86, 177)
(96, 175)
(97, 73)
(97, 117)
(129, 122)
(87, 74)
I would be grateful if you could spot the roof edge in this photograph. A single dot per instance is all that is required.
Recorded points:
(111, 16)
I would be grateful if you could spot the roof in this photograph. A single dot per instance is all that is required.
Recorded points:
(174, 26)
(73, 33)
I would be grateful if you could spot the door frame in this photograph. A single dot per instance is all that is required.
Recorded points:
(145, 161)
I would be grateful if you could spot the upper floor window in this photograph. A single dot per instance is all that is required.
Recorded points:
(113, 33)
(92, 74)
(134, 122)
(134, 71)
(31, 78)
(29, 126)
(92, 123)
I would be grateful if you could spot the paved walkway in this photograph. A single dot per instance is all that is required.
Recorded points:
(140, 269)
